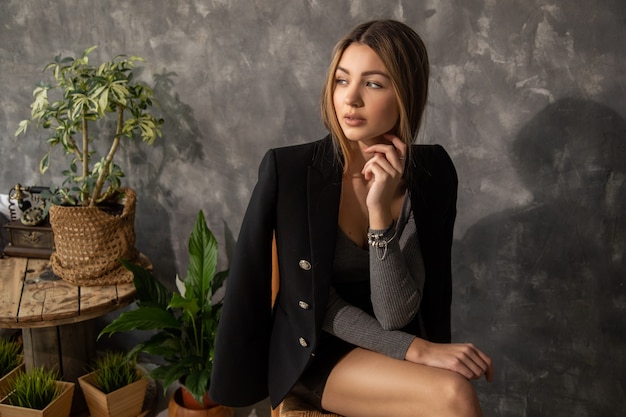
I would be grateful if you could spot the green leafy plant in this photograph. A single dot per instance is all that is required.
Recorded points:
(81, 95)
(186, 321)
(114, 370)
(10, 355)
(35, 388)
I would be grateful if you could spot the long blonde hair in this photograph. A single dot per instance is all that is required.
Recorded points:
(404, 55)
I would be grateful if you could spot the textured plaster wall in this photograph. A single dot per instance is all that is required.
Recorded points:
(528, 97)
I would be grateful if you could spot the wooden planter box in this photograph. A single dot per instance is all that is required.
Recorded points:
(5, 381)
(125, 402)
(60, 407)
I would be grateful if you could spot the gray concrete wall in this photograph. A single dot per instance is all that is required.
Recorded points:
(528, 97)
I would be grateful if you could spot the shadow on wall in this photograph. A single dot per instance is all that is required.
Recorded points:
(542, 288)
(181, 143)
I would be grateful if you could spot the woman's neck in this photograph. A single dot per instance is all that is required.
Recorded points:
(358, 158)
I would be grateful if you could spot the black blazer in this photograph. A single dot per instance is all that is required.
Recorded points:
(260, 350)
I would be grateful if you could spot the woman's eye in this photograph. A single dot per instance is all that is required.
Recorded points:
(373, 84)
(341, 81)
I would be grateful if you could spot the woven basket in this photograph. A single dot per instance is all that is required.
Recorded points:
(89, 243)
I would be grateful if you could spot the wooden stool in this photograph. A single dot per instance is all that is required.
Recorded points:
(292, 406)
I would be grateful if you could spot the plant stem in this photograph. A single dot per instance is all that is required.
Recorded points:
(109, 158)
(79, 155)
(85, 156)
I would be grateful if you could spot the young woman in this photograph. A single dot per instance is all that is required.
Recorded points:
(363, 222)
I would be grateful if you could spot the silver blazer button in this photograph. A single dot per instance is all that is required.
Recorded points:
(303, 342)
(304, 305)
(306, 265)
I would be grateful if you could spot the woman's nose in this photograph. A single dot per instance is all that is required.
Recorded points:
(353, 97)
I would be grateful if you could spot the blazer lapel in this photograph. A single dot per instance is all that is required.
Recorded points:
(324, 190)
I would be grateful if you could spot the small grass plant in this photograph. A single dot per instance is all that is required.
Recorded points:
(115, 370)
(10, 355)
(35, 388)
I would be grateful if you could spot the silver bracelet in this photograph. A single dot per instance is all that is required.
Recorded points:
(378, 241)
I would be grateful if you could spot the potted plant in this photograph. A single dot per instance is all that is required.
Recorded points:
(185, 321)
(11, 363)
(38, 393)
(84, 105)
(115, 387)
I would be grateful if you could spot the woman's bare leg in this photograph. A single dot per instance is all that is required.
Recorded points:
(368, 384)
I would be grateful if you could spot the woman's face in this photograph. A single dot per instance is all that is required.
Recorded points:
(364, 98)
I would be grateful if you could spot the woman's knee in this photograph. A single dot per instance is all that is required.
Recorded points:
(460, 397)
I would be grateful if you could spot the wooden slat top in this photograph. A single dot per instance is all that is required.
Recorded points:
(28, 298)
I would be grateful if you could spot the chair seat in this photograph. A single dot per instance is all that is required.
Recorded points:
(292, 406)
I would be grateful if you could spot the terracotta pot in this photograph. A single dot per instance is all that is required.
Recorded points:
(190, 402)
(177, 409)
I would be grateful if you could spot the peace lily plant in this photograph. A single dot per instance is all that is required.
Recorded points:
(81, 97)
(185, 321)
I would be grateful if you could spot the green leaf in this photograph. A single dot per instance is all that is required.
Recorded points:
(169, 373)
(218, 281)
(103, 103)
(143, 318)
(44, 163)
(9, 355)
(119, 91)
(41, 102)
(88, 51)
(148, 288)
(197, 383)
(167, 344)
(202, 260)
(190, 306)
(21, 128)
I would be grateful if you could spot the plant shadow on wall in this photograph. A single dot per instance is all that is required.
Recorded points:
(543, 284)
(181, 144)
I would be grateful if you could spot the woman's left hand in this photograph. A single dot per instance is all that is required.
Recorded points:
(384, 174)
(462, 358)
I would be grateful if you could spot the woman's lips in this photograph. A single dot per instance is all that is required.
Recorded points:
(353, 120)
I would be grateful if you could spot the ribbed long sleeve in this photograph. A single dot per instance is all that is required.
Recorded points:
(396, 283)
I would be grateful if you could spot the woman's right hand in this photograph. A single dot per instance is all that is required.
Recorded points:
(383, 173)
(462, 358)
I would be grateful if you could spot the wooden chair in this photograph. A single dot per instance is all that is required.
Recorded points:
(291, 405)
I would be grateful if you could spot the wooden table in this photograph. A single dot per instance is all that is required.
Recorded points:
(56, 317)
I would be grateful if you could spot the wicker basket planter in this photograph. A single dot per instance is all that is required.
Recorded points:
(60, 407)
(124, 402)
(90, 241)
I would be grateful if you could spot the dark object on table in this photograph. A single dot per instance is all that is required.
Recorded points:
(28, 232)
